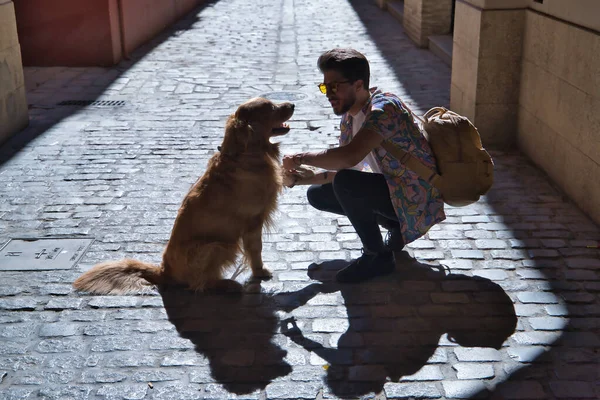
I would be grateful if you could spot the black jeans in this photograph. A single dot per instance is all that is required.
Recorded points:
(364, 198)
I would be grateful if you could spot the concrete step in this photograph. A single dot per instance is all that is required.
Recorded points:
(396, 8)
(441, 46)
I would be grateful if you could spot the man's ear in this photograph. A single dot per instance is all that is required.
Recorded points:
(358, 84)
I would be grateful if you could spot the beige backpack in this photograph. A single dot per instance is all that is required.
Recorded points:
(466, 170)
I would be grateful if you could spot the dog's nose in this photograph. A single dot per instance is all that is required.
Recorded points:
(293, 105)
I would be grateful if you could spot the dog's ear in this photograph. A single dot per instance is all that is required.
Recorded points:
(243, 114)
(237, 135)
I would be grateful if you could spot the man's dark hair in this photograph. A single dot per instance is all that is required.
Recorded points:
(352, 64)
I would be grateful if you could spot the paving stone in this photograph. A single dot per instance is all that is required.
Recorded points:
(581, 339)
(573, 390)
(297, 390)
(24, 304)
(463, 389)
(536, 338)
(581, 372)
(14, 393)
(477, 354)
(492, 274)
(413, 390)
(60, 345)
(102, 376)
(457, 264)
(128, 360)
(473, 371)
(330, 325)
(547, 323)
(116, 343)
(155, 375)
(177, 391)
(113, 302)
(427, 373)
(557, 310)
(123, 391)
(82, 316)
(58, 329)
(527, 354)
(63, 304)
(537, 297)
(522, 390)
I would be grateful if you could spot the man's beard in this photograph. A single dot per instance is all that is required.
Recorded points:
(346, 106)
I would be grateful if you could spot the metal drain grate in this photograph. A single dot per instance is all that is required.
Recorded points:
(96, 103)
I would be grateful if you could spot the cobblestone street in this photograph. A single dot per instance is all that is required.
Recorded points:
(514, 314)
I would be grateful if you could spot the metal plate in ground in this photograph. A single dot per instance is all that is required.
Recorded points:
(95, 103)
(42, 254)
(284, 96)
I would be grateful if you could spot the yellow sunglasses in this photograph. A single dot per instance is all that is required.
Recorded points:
(330, 87)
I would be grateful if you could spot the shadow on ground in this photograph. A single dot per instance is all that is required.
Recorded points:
(44, 115)
(552, 243)
(398, 50)
(394, 326)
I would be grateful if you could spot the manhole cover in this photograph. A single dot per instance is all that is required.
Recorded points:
(284, 96)
(96, 103)
(42, 254)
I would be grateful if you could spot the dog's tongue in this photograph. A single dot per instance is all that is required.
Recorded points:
(283, 128)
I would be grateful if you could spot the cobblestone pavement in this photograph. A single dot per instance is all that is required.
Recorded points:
(515, 315)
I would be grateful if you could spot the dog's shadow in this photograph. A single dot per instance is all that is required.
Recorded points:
(237, 333)
(396, 322)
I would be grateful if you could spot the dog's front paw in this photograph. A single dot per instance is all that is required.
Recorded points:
(263, 274)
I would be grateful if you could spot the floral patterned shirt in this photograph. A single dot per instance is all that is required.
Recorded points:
(418, 205)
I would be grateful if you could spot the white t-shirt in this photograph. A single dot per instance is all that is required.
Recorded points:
(368, 164)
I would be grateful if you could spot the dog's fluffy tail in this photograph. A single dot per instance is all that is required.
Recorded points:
(119, 277)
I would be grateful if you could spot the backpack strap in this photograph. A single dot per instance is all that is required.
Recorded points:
(413, 163)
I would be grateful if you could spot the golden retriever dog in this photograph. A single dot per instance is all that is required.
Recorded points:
(222, 216)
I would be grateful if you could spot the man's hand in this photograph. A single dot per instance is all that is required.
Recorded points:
(288, 163)
(298, 175)
(292, 161)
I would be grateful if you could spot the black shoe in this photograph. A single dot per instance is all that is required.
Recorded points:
(394, 241)
(367, 266)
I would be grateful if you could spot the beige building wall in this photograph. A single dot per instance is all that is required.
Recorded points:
(559, 103)
(424, 18)
(13, 103)
(584, 13)
(486, 68)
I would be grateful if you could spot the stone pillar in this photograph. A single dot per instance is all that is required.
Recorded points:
(13, 104)
(486, 66)
(424, 18)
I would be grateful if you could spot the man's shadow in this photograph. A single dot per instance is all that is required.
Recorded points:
(396, 322)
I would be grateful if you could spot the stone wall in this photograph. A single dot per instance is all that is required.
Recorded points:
(559, 106)
(13, 103)
(423, 18)
(486, 68)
